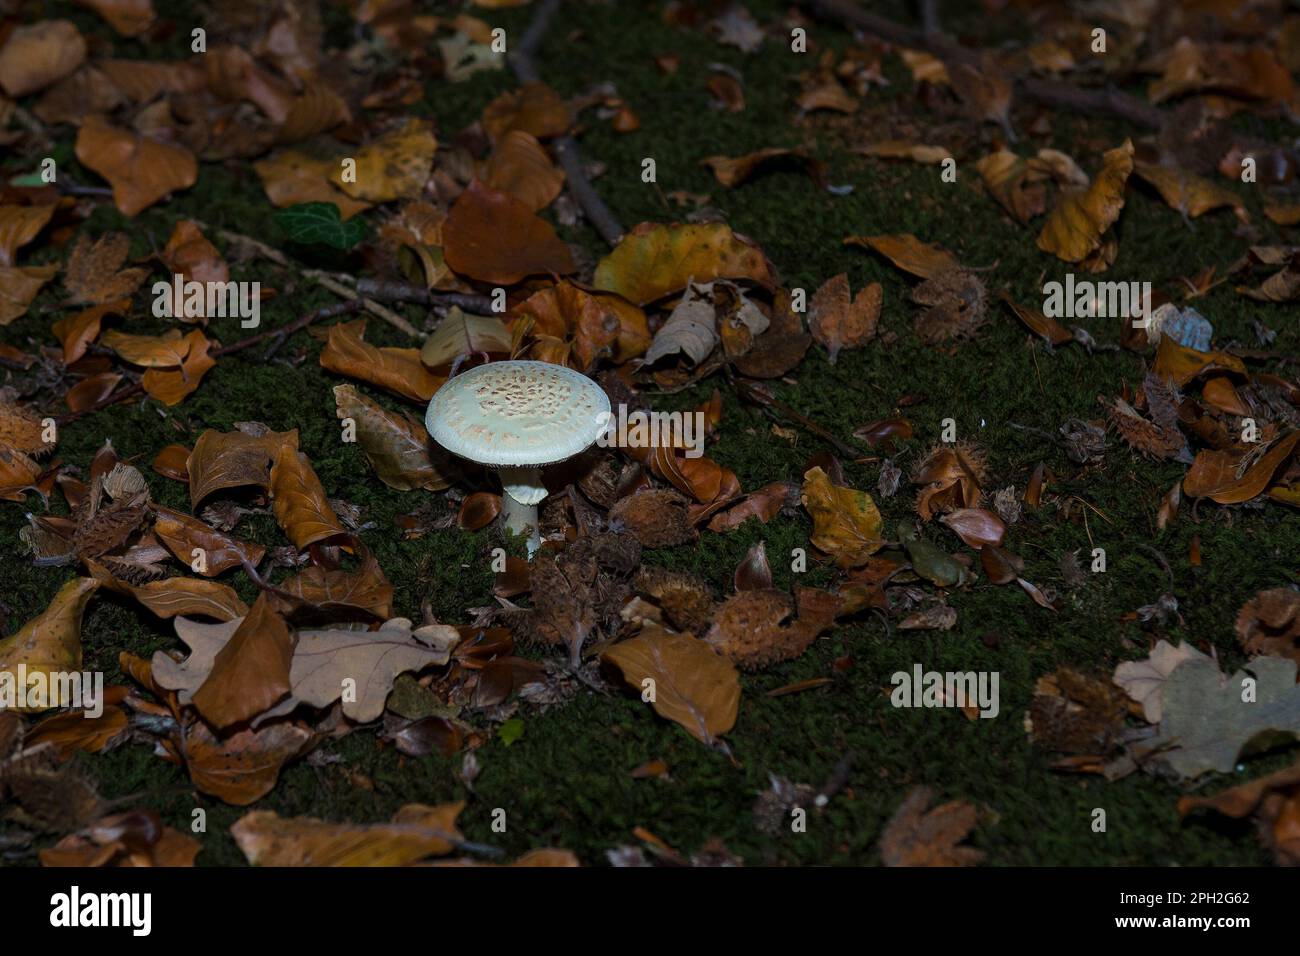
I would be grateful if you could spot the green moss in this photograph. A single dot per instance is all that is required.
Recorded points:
(567, 781)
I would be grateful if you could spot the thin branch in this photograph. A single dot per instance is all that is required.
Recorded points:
(523, 63)
(384, 290)
(1048, 92)
(284, 331)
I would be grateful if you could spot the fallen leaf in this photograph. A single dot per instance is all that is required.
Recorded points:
(1187, 193)
(915, 837)
(93, 274)
(909, 254)
(492, 236)
(838, 323)
(398, 370)
(399, 449)
(141, 170)
(291, 179)
(520, 166)
(417, 831)
(250, 674)
(1074, 231)
(846, 522)
(19, 225)
(1144, 680)
(1269, 623)
(395, 166)
(50, 643)
(39, 55)
(299, 502)
(654, 260)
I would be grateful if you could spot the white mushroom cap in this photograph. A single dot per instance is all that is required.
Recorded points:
(518, 414)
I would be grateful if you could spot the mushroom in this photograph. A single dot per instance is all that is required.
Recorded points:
(516, 417)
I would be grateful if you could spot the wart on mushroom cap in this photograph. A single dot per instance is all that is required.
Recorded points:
(516, 417)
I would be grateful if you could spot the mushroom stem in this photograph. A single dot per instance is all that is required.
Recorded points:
(523, 490)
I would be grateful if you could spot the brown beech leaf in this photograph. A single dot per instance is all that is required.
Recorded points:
(75, 730)
(731, 171)
(141, 170)
(1182, 364)
(183, 535)
(838, 323)
(173, 462)
(654, 260)
(884, 433)
(1041, 325)
(1273, 801)
(150, 351)
(237, 459)
(478, 510)
(694, 686)
(909, 254)
(1186, 192)
(754, 573)
(250, 674)
(36, 56)
(76, 332)
(18, 286)
(171, 385)
(291, 178)
(188, 597)
(904, 149)
(1014, 183)
(243, 767)
(534, 108)
(398, 370)
(520, 166)
(188, 253)
(400, 450)
(846, 522)
(1214, 476)
(461, 333)
(19, 226)
(299, 502)
(1075, 228)
(975, 526)
(492, 236)
(915, 837)
(50, 643)
(93, 274)
(599, 325)
(417, 832)
(129, 18)
(763, 504)
(341, 591)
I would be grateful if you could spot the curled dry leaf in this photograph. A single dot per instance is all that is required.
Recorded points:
(1269, 623)
(598, 325)
(478, 510)
(398, 370)
(299, 502)
(732, 171)
(909, 254)
(250, 673)
(694, 686)
(754, 573)
(1075, 228)
(399, 449)
(976, 527)
(242, 767)
(1016, 185)
(19, 225)
(50, 643)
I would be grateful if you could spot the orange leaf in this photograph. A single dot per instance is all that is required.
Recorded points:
(140, 170)
(492, 236)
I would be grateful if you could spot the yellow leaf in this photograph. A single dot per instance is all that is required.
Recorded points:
(51, 641)
(846, 522)
(1074, 230)
(654, 260)
(395, 166)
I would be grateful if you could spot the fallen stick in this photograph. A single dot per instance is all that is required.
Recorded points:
(566, 148)
(384, 290)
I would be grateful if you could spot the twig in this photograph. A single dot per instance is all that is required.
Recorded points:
(130, 391)
(323, 279)
(1048, 92)
(566, 149)
(930, 22)
(384, 290)
(755, 397)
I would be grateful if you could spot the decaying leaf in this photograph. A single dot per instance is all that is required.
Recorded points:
(917, 837)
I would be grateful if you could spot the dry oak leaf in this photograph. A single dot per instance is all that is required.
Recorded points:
(325, 660)
(520, 166)
(40, 55)
(1274, 801)
(840, 323)
(250, 674)
(492, 236)
(694, 686)
(1269, 623)
(398, 370)
(846, 522)
(915, 837)
(95, 274)
(141, 170)
(50, 642)
(299, 502)
(909, 254)
(395, 166)
(1074, 230)
(654, 260)
(19, 226)
(417, 831)
(1188, 193)
(18, 286)
(291, 178)
(399, 449)
(1144, 680)
(243, 767)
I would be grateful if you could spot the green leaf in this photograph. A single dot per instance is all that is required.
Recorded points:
(320, 222)
(511, 731)
(27, 179)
